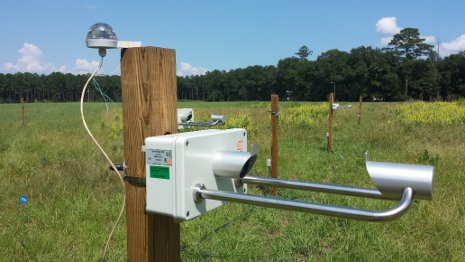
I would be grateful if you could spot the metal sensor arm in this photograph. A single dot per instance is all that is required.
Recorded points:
(200, 193)
(318, 187)
(204, 124)
(216, 120)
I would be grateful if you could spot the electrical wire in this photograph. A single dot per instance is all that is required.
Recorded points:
(105, 154)
(106, 98)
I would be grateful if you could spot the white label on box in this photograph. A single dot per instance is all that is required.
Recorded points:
(159, 157)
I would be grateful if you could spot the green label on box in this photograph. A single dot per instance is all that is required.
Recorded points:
(162, 172)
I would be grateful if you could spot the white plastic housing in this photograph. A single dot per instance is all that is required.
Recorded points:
(176, 163)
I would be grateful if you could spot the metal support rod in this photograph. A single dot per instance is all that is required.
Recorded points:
(322, 209)
(326, 188)
(204, 124)
(268, 167)
(274, 139)
(329, 146)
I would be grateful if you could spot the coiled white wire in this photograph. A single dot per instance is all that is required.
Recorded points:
(105, 154)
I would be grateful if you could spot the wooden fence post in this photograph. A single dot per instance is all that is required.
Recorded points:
(359, 116)
(274, 138)
(148, 83)
(329, 146)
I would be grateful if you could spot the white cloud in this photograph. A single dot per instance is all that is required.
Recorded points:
(82, 66)
(187, 70)
(429, 39)
(453, 46)
(388, 26)
(30, 60)
(62, 69)
(385, 40)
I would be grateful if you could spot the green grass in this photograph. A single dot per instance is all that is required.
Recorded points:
(74, 200)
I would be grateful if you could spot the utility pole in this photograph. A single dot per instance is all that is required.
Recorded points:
(148, 83)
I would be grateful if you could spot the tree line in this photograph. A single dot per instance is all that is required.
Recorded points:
(407, 69)
(55, 87)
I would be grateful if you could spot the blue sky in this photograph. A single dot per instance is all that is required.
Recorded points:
(44, 36)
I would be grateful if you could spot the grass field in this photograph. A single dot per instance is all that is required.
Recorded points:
(73, 199)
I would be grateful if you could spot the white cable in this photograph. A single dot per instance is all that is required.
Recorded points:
(105, 154)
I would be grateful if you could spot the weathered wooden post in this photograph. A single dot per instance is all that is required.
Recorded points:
(359, 115)
(148, 83)
(274, 138)
(329, 146)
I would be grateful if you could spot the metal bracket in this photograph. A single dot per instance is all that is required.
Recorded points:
(119, 167)
(203, 124)
(135, 181)
(216, 120)
(275, 114)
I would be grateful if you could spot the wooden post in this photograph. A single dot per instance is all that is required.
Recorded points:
(359, 116)
(274, 138)
(329, 146)
(22, 111)
(406, 89)
(36, 104)
(148, 84)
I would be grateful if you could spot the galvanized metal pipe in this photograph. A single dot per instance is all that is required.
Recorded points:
(204, 124)
(330, 210)
(326, 188)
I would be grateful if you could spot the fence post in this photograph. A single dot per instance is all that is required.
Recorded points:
(359, 116)
(148, 83)
(274, 138)
(329, 146)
